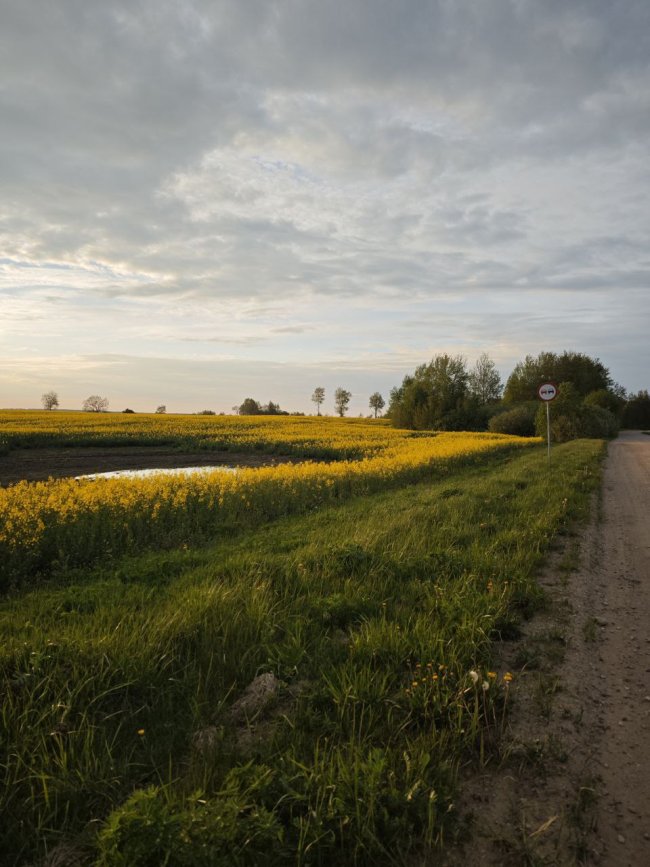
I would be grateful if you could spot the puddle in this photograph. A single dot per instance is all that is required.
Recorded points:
(173, 471)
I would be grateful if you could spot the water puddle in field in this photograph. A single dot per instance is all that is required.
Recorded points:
(173, 471)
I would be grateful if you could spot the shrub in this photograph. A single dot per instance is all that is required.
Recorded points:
(229, 830)
(605, 399)
(519, 421)
(575, 422)
(636, 413)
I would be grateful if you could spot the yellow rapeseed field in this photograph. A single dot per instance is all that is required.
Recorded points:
(311, 436)
(70, 522)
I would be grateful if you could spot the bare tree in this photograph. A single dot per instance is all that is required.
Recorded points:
(341, 401)
(376, 402)
(95, 403)
(50, 400)
(318, 397)
(161, 410)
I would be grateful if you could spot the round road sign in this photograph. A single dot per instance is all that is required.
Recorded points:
(547, 391)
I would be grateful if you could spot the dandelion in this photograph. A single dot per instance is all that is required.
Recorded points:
(486, 685)
(507, 677)
(491, 675)
(474, 676)
(141, 732)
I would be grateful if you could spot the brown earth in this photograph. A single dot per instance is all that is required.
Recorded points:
(573, 782)
(39, 464)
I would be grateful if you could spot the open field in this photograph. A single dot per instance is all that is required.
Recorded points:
(305, 436)
(60, 523)
(301, 691)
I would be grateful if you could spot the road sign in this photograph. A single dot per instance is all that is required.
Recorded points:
(547, 391)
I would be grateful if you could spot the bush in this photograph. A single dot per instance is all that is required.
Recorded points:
(570, 423)
(519, 421)
(605, 399)
(636, 413)
(229, 830)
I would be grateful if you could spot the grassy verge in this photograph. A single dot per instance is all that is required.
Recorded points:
(126, 729)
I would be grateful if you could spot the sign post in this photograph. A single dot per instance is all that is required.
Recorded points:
(547, 392)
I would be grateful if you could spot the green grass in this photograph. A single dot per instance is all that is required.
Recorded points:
(108, 674)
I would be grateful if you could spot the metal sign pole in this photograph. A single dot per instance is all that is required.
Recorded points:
(547, 392)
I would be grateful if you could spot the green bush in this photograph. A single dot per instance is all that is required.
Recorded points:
(636, 412)
(230, 830)
(605, 399)
(519, 421)
(573, 418)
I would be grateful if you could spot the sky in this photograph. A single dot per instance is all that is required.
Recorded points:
(208, 200)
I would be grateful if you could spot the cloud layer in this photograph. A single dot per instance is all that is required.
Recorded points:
(319, 186)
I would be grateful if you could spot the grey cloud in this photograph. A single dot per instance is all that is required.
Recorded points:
(213, 152)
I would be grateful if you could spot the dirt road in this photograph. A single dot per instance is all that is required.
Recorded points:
(621, 586)
(573, 785)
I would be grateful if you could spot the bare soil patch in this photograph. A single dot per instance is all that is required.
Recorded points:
(572, 786)
(39, 464)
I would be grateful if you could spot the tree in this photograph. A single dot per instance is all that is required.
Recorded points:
(50, 400)
(161, 410)
(249, 407)
(318, 397)
(376, 402)
(95, 403)
(341, 401)
(585, 373)
(484, 381)
(636, 413)
(435, 397)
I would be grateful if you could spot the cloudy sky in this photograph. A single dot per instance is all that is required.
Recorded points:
(205, 200)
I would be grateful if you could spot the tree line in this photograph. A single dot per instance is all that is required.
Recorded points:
(342, 398)
(445, 395)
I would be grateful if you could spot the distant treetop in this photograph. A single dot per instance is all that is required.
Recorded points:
(50, 400)
(95, 403)
(587, 375)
